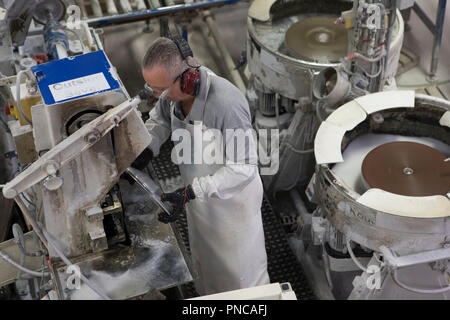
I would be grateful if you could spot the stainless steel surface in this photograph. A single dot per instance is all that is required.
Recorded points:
(153, 261)
(317, 38)
(153, 190)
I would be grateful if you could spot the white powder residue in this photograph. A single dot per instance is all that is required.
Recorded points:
(128, 284)
(170, 185)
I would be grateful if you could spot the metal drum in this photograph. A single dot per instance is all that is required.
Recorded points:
(275, 59)
(426, 117)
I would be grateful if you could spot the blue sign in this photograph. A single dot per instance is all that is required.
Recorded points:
(75, 77)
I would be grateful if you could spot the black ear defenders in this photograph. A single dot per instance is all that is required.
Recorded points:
(190, 78)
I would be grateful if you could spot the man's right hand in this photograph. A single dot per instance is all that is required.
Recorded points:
(165, 218)
(143, 159)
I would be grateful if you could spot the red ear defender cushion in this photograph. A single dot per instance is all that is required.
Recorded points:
(190, 82)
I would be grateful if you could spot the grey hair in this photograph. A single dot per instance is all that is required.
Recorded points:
(164, 53)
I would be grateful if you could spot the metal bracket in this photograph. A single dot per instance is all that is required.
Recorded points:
(394, 261)
(94, 214)
(98, 240)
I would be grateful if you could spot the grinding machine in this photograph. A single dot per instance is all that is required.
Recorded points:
(390, 218)
(73, 130)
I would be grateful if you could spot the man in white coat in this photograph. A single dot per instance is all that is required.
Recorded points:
(222, 198)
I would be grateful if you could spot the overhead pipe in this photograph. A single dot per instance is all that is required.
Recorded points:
(154, 4)
(305, 216)
(229, 63)
(437, 38)
(96, 8)
(80, 4)
(140, 4)
(436, 30)
(158, 12)
(126, 7)
(111, 7)
(423, 16)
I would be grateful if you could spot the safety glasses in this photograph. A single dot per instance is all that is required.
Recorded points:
(152, 92)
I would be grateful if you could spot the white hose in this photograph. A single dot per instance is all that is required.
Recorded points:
(78, 37)
(363, 57)
(318, 106)
(417, 290)
(352, 255)
(295, 150)
(18, 266)
(111, 7)
(46, 238)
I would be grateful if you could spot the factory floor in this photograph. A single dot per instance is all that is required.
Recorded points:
(126, 45)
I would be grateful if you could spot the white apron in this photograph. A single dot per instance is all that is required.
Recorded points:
(226, 236)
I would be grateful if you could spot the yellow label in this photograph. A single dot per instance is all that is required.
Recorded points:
(348, 23)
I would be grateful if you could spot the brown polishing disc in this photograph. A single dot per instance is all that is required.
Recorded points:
(317, 39)
(407, 168)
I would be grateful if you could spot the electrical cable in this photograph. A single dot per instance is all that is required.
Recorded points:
(20, 241)
(363, 57)
(318, 112)
(15, 264)
(5, 125)
(381, 67)
(19, 104)
(318, 106)
(295, 150)
(78, 36)
(352, 255)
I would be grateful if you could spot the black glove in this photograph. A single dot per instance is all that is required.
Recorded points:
(178, 199)
(165, 218)
(143, 159)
